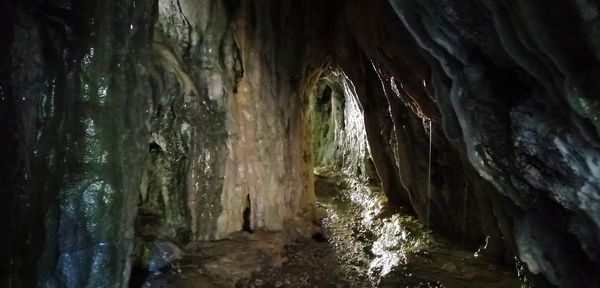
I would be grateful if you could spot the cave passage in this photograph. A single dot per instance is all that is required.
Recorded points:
(283, 143)
(377, 243)
(358, 238)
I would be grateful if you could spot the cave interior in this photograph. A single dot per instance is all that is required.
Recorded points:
(314, 143)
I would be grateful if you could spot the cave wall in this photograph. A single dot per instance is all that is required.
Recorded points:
(507, 89)
(231, 83)
(521, 95)
(184, 109)
(167, 108)
(74, 104)
(270, 156)
(393, 84)
(194, 73)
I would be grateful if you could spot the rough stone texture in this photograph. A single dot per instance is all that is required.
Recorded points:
(194, 70)
(269, 156)
(239, 126)
(207, 108)
(508, 90)
(93, 98)
(392, 81)
(76, 107)
(337, 126)
(518, 83)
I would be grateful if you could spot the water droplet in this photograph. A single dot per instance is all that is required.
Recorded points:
(429, 178)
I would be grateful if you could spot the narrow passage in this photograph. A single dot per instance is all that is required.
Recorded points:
(363, 243)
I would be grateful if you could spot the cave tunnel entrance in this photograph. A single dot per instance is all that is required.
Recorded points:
(339, 139)
(359, 221)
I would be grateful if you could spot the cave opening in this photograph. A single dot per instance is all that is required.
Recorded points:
(358, 220)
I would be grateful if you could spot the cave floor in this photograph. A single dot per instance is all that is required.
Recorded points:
(362, 244)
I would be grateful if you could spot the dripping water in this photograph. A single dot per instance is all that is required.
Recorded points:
(429, 177)
(464, 216)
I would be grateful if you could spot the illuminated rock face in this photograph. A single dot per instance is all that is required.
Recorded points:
(514, 85)
(75, 101)
(514, 141)
(338, 128)
(240, 124)
(393, 85)
(115, 108)
(268, 159)
(189, 126)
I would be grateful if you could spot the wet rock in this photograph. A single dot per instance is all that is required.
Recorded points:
(338, 133)
(400, 251)
(78, 140)
(480, 117)
(488, 113)
(164, 253)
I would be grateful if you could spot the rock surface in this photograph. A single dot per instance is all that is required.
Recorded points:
(337, 126)
(75, 101)
(480, 116)
(515, 90)
(362, 244)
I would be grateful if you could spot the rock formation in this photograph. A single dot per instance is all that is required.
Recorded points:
(130, 121)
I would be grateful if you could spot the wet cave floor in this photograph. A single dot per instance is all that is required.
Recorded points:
(362, 244)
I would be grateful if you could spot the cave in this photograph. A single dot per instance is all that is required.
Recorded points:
(314, 143)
